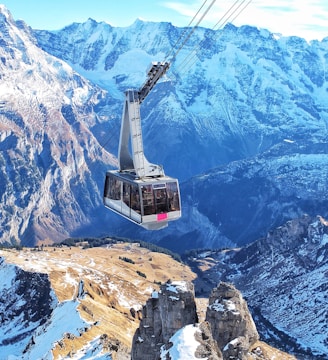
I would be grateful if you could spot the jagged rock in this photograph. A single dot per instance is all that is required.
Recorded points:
(208, 348)
(178, 307)
(231, 322)
(164, 313)
(227, 333)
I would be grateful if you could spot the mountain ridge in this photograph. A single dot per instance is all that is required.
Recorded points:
(283, 276)
(47, 146)
(97, 288)
(248, 95)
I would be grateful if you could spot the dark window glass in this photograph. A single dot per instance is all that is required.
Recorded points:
(126, 193)
(160, 201)
(107, 187)
(147, 200)
(173, 196)
(114, 188)
(135, 198)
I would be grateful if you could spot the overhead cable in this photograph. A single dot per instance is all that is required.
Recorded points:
(192, 29)
(186, 29)
(229, 16)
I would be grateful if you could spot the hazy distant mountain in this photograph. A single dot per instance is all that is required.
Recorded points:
(242, 201)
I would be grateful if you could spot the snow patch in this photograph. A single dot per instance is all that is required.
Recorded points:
(177, 286)
(184, 344)
(226, 305)
(233, 342)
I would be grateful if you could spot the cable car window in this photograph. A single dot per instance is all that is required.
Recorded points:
(160, 201)
(148, 199)
(107, 187)
(126, 193)
(114, 188)
(135, 198)
(173, 196)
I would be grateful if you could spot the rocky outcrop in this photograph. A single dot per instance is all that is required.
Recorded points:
(227, 333)
(231, 322)
(165, 312)
(26, 303)
(208, 347)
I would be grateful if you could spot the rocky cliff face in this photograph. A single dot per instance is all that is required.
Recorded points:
(284, 278)
(51, 163)
(102, 295)
(26, 302)
(231, 322)
(227, 333)
(163, 315)
(58, 303)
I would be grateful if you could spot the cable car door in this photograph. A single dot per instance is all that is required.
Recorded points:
(160, 196)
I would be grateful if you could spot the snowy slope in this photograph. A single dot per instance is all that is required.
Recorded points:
(50, 158)
(246, 90)
(283, 276)
(184, 344)
(32, 319)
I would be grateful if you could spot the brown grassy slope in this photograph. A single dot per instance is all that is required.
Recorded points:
(113, 285)
(113, 288)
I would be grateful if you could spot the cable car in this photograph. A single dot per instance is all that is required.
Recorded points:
(139, 190)
(151, 202)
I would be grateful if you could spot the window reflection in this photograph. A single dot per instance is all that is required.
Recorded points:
(135, 198)
(173, 196)
(161, 201)
(145, 199)
(148, 199)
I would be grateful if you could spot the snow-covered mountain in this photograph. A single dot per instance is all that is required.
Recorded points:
(283, 276)
(50, 160)
(245, 91)
(251, 105)
(251, 102)
(242, 201)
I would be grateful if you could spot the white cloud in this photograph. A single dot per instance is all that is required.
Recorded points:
(186, 9)
(287, 17)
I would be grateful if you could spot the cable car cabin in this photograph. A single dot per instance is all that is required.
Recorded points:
(139, 190)
(150, 202)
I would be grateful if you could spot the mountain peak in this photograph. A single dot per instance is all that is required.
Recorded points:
(4, 10)
(5, 15)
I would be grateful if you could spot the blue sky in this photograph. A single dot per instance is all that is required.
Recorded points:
(308, 19)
